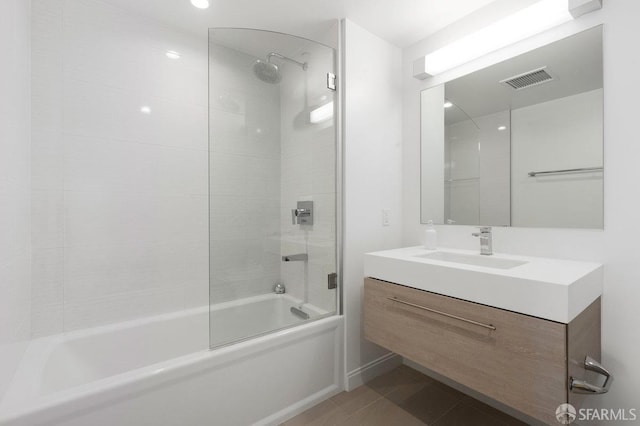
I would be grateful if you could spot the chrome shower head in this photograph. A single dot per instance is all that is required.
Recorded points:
(269, 72)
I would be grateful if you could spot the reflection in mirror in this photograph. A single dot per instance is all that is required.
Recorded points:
(518, 143)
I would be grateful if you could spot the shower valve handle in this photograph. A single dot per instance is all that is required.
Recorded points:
(303, 214)
(296, 213)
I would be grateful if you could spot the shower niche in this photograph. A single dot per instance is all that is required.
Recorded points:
(272, 151)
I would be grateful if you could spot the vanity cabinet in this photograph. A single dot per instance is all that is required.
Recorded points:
(522, 361)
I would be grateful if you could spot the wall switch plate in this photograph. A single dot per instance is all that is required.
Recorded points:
(386, 217)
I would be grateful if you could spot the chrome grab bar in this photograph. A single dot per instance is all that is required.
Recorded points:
(582, 386)
(555, 172)
(424, 308)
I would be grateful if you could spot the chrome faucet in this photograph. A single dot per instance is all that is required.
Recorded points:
(486, 241)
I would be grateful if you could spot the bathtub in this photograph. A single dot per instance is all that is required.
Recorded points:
(160, 371)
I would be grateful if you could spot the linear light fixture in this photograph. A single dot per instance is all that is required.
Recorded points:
(321, 114)
(540, 16)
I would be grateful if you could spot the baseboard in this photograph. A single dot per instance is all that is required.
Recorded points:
(372, 369)
(299, 407)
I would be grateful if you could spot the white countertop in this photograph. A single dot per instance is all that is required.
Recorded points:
(554, 289)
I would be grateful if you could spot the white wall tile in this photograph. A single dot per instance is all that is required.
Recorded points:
(120, 197)
(47, 155)
(245, 179)
(120, 218)
(15, 186)
(121, 307)
(47, 288)
(93, 109)
(96, 164)
(47, 219)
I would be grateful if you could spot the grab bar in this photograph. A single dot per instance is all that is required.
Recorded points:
(555, 172)
(424, 308)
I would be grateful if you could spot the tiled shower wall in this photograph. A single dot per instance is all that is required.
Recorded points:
(265, 156)
(119, 196)
(308, 173)
(477, 186)
(15, 244)
(245, 178)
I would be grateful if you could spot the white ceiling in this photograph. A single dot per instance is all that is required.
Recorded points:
(401, 22)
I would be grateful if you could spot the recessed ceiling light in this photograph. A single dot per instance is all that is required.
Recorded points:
(502, 128)
(200, 4)
(172, 54)
(145, 110)
(448, 104)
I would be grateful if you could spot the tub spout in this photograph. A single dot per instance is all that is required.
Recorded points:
(295, 257)
(299, 313)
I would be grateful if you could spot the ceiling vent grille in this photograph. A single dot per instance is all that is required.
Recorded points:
(528, 79)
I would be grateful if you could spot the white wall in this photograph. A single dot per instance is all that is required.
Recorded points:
(373, 163)
(15, 182)
(564, 133)
(616, 246)
(119, 197)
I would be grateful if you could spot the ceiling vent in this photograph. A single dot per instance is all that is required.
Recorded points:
(528, 79)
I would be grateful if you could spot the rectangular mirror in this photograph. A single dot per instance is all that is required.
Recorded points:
(519, 143)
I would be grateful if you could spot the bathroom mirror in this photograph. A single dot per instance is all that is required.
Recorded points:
(519, 143)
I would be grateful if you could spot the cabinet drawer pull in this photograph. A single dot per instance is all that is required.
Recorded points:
(582, 386)
(424, 308)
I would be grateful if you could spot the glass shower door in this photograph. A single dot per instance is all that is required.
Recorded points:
(272, 161)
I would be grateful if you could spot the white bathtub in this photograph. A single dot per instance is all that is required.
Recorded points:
(159, 371)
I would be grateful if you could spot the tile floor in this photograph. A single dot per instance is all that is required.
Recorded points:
(402, 397)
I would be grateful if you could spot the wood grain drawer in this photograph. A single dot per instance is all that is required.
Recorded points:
(516, 359)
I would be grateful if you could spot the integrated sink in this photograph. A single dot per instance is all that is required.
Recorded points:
(470, 259)
(553, 289)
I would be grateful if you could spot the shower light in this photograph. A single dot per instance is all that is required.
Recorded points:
(448, 104)
(540, 16)
(145, 110)
(321, 114)
(200, 4)
(172, 54)
(501, 128)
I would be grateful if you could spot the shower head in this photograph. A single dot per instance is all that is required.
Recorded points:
(269, 72)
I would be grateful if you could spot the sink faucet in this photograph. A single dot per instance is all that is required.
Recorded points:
(486, 242)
